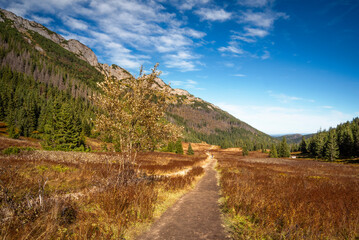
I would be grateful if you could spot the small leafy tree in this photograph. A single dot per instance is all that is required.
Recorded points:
(132, 114)
(190, 150)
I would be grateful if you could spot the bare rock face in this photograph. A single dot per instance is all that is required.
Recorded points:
(160, 82)
(81, 50)
(113, 71)
(23, 25)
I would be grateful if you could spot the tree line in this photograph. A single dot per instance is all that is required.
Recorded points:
(339, 142)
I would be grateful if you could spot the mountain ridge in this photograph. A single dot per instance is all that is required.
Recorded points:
(294, 138)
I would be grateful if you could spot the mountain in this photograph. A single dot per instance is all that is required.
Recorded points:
(294, 138)
(57, 71)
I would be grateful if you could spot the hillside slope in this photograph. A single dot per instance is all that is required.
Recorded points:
(72, 71)
(294, 138)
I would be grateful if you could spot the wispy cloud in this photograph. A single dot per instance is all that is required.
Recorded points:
(255, 32)
(75, 23)
(239, 75)
(232, 48)
(257, 21)
(261, 19)
(283, 98)
(189, 84)
(182, 60)
(42, 20)
(213, 14)
(254, 3)
(188, 4)
(265, 55)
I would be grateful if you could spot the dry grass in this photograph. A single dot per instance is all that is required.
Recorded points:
(289, 199)
(22, 142)
(72, 195)
(164, 163)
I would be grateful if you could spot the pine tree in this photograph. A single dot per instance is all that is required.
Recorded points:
(273, 152)
(190, 150)
(356, 137)
(179, 148)
(245, 151)
(171, 146)
(331, 149)
(303, 145)
(316, 145)
(346, 142)
(2, 108)
(284, 148)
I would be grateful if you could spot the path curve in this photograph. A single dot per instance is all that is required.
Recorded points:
(196, 215)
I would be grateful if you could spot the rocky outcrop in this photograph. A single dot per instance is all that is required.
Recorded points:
(84, 52)
(23, 25)
(113, 71)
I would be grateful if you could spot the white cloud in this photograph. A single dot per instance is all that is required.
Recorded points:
(231, 49)
(213, 14)
(192, 82)
(42, 20)
(182, 60)
(229, 64)
(239, 75)
(283, 98)
(244, 39)
(254, 3)
(256, 25)
(255, 32)
(279, 120)
(75, 23)
(188, 84)
(188, 4)
(266, 55)
(261, 19)
(194, 33)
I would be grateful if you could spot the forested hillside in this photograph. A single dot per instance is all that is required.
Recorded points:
(294, 138)
(46, 89)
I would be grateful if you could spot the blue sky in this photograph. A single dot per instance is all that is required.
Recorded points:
(283, 66)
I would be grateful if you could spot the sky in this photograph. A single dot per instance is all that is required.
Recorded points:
(282, 66)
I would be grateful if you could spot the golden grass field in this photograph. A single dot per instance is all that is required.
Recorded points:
(77, 195)
(266, 198)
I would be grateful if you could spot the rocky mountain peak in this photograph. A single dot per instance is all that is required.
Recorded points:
(23, 25)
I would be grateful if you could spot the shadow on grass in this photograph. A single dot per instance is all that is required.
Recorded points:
(350, 161)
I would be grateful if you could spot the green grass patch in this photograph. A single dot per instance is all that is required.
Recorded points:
(16, 150)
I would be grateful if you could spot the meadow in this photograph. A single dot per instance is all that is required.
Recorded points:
(265, 198)
(77, 195)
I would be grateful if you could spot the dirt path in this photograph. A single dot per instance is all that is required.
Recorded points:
(195, 216)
